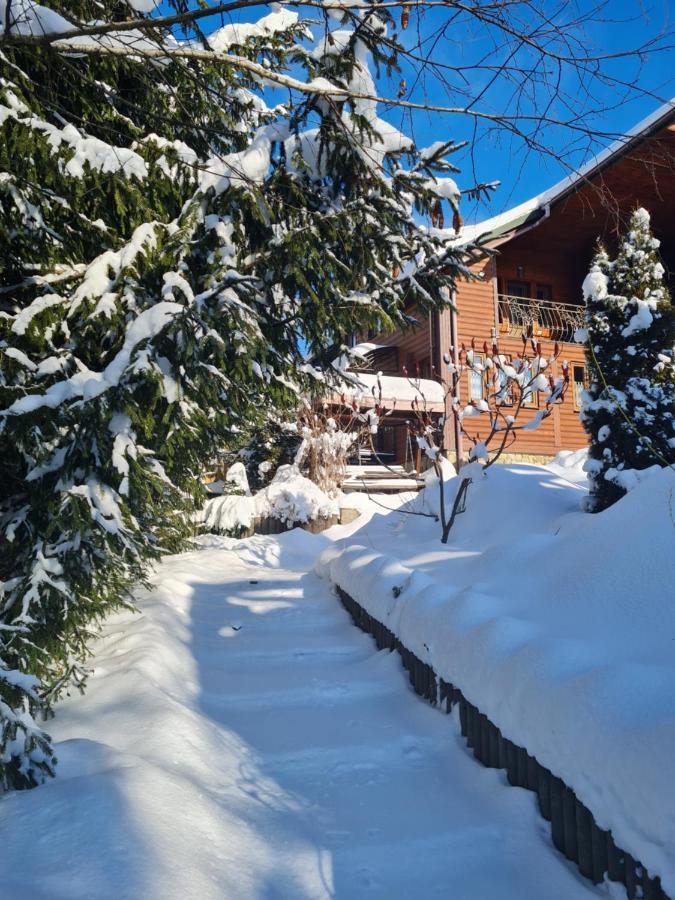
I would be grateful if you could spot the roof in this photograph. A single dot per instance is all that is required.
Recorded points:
(532, 211)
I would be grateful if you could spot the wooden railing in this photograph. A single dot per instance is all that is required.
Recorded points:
(547, 319)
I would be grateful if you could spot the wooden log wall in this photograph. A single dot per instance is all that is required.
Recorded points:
(574, 830)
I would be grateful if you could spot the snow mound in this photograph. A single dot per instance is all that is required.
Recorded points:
(569, 464)
(557, 625)
(229, 514)
(291, 497)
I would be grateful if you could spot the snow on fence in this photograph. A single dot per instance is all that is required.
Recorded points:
(289, 501)
(574, 830)
(272, 525)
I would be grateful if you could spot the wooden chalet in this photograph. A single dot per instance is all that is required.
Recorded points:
(544, 248)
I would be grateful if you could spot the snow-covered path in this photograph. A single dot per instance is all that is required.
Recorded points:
(241, 739)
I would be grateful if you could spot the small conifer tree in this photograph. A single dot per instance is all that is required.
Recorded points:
(630, 329)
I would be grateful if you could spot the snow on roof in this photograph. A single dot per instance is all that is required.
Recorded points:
(396, 387)
(364, 348)
(517, 215)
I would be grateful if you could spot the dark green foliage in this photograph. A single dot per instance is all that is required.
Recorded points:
(262, 447)
(629, 407)
(170, 250)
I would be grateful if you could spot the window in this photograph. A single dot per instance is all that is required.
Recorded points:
(543, 292)
(579, 384)
(518, 288)
(476, 387)
(425, 367)
(502, 384)
(385, 442)
(531, 399)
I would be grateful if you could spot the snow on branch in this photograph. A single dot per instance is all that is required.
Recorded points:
(330, 432)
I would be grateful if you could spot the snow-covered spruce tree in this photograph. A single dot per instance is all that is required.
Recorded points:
(628, 409)
(262, 446)
(168, 248)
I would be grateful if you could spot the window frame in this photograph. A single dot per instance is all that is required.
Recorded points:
(524, 285)
(533, 401)
(576, 400)
(477, 357)
(511, 402)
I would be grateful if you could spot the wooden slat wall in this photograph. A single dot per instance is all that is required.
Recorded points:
(412, 345)
(476, 319)
(476, 307)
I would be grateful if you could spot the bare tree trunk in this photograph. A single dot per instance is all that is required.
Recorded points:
(457, 507)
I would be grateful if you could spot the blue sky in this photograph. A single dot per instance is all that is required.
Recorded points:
(523, 172)
(494, 154)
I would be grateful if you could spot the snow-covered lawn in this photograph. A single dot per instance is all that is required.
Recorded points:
(241, 739)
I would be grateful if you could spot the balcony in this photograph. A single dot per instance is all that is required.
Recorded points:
(545, 319)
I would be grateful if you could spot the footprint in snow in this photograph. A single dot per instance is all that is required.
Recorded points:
(410, 749)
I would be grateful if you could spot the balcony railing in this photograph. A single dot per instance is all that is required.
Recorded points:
(545, 319)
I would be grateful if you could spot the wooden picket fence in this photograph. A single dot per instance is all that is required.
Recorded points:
(574, 830)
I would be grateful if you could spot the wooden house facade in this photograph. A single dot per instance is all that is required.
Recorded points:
(543, 249)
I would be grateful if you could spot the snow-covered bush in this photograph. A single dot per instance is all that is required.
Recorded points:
(327, 436)
(262, 444)
(236, 480)
(292, 498)
(629, 407)
(230, 514)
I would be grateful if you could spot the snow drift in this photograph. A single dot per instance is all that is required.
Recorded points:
(558, 625)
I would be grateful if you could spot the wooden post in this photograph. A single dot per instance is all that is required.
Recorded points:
(557, 824)
(544, 792)
(584, 846)
(616, 862)
(570, 820)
